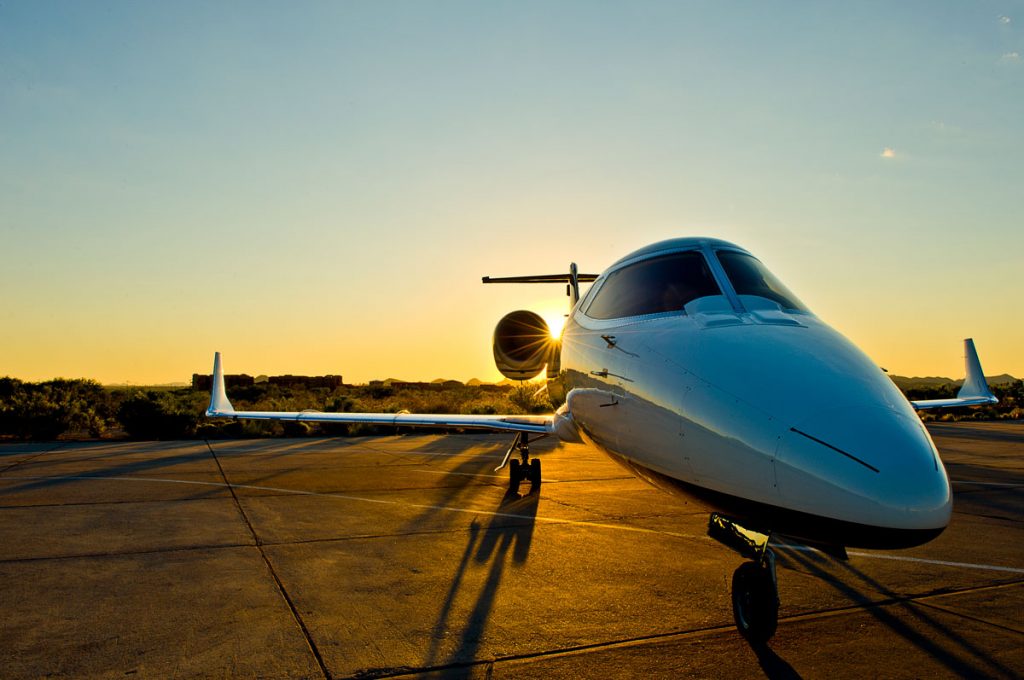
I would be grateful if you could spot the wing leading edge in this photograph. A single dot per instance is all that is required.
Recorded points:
(975, 390)
(220, 407)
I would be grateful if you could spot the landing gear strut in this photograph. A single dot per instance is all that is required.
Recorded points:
(522, 469)
(755, 590)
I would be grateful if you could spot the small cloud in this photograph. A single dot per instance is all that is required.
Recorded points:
(1004, 20)
(943, 128)
(888, 153)
(1010, 58)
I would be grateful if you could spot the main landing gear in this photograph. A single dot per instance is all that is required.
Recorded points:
(755, 591)
(524, 468)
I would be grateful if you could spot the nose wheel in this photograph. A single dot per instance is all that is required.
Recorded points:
(755, 600)
(755, 590)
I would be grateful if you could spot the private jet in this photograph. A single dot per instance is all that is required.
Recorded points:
(694, 367)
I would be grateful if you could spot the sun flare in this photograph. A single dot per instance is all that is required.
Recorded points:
(555, 322)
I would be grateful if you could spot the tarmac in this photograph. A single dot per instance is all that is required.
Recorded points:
(402, 556)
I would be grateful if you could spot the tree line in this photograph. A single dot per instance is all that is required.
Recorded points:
(85, 409)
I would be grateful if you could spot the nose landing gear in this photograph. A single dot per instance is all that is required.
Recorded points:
(755, 600)
(755, 590)
(524, 468)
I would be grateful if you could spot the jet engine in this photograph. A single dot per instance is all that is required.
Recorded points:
(523, 346)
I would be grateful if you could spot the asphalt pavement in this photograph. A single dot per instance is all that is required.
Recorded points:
(404, 556)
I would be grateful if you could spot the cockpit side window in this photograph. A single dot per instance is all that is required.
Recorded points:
(749, 277)
(660, 284)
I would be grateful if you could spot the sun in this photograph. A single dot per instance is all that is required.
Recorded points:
(555, 322)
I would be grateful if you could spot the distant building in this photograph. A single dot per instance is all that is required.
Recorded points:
(328, 381)
(205, 382)
(406, 385)
(436, 386)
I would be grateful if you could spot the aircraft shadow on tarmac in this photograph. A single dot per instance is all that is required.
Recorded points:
(959, 431)
(463, 482)
(120, 468)
(1003, 502)
(941, 642)
(774, 666)
(505, 539)
(456, 485)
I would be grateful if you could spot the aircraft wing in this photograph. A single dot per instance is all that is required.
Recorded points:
(220, 407)
(975, 390)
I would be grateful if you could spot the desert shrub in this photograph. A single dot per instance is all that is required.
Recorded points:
(50, 409)
(292, 428)
(528, 399)
(239, 429)
(340, 404)
(359, 429)
(379, 391)
(482, 407)
(159, 415)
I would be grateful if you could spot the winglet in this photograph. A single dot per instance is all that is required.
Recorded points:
(219, 404)
(974, 391)
(974, 386)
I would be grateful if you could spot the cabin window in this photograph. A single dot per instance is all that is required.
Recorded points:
(654, 286)
(749, 277)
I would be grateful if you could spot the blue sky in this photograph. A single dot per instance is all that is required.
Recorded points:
(317, 187)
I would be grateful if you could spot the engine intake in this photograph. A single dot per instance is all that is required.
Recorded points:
(523, 345)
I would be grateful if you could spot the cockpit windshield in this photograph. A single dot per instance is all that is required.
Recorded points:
(749, 277)
(658, 285)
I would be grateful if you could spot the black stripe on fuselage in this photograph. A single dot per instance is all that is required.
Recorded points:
(836, 449)
(767, 518)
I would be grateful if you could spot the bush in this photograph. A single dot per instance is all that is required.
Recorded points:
(529, 399)
(50, 409)
(158, 415)
(293, 428)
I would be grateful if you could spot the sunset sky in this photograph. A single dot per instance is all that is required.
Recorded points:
(317, 188)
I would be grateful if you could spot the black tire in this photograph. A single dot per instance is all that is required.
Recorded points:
(515, 475)
(755, 603)
(535, 473)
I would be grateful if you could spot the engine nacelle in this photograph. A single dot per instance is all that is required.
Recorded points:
(523, 346)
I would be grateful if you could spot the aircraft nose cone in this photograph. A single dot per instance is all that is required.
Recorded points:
(870, 466)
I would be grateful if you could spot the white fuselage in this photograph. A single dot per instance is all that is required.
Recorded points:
(767, 415)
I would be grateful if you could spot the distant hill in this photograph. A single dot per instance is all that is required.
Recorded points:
(905, 383)
(516, 383)
(472, 382)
